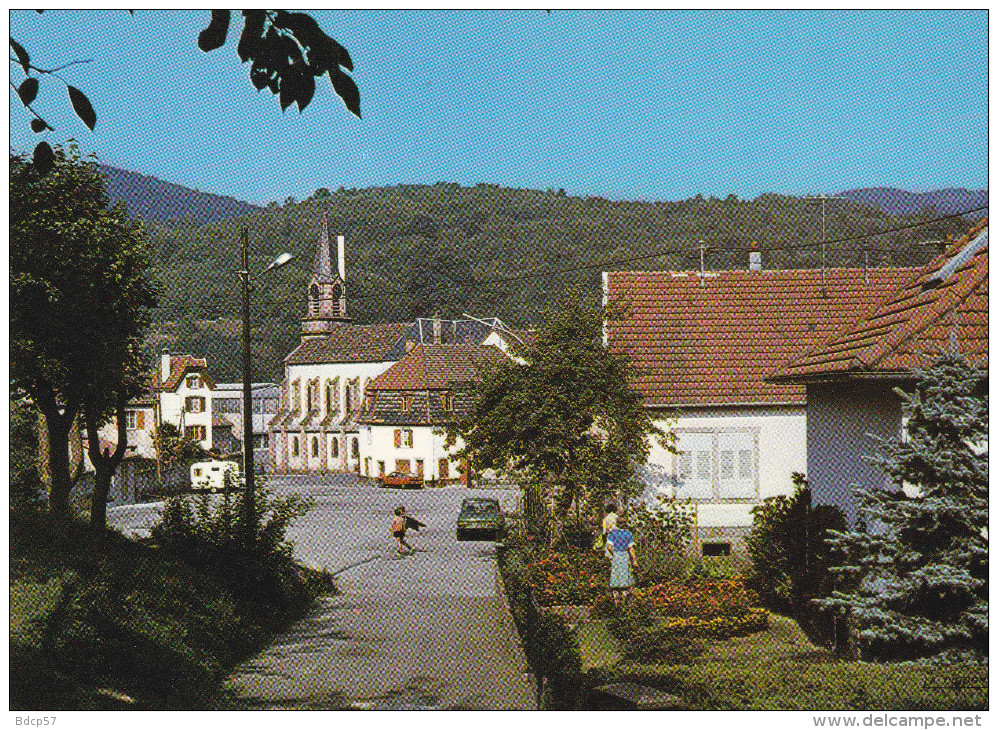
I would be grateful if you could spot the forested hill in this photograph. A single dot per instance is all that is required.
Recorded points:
(901, 202)
(160, 201)
(484, 250)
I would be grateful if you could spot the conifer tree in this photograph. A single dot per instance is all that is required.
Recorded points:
(915, 580)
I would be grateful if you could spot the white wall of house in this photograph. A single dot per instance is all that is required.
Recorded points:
(342, 378)
(140, 441)
(841, 422)
(732, 459)
(174, 407)
(377, 444)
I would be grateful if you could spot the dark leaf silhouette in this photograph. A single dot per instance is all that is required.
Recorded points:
(22, 55)
(81, 105)
(39, 125)
(28, 90)
(347, 90)
(251, 38)
(44, 158)
(214, 35)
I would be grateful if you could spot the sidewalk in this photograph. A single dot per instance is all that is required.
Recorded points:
(392, 652)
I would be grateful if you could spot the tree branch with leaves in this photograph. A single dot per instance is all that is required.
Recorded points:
(567, 423)
(286, 51)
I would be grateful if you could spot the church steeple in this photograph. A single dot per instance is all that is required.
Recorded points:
(327, 292)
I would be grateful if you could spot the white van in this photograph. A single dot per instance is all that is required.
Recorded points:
(210, 475)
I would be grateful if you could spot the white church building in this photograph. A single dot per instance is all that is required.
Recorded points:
(318, 425)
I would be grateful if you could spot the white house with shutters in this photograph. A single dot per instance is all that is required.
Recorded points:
(404, 411)
(702, 344)
(180, 393)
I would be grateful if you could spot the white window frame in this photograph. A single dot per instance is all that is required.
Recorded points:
(193, 382)
(132, 420)
(716, 477)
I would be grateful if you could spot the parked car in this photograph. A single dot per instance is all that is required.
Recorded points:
(402, 479)
(210, 475)
(481, 518)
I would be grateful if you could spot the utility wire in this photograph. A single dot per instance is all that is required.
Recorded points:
(645, 257)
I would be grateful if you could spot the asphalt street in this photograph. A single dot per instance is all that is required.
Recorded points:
(427, 630)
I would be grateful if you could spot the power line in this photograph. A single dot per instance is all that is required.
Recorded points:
(646, 257)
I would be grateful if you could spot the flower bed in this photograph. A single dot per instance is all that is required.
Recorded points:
(560, 580)
(706, 609)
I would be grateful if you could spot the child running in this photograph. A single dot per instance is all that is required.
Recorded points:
(399, 525)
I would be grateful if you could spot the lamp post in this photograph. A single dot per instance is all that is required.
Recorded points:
(248, 471)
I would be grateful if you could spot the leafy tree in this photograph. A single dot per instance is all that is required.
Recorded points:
(790, 560)
(567, 423)
(79, 301)
(25, 481)
(122, 377)
(917, 574)
(286, 52)
(175, 447)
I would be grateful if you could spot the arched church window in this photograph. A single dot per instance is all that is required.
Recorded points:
(315, 446)
(336, 448)
(355, 450)
(294, 446)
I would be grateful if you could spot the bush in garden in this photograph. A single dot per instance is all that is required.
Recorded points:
(663, 531)
(790, 560)
(208, 532)
(915, 583)
(559, 579)
(705, 609)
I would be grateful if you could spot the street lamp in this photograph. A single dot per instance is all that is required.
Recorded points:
(248, 470)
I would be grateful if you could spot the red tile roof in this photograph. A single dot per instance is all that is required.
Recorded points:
(907, 329)
(180, 365)
(437, 367)
(349, 343)
(715, 343)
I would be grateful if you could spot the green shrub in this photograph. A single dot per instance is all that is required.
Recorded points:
(208, 533)
(658, 643)
(790, 559)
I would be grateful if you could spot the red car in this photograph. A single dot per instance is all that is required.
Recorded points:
(402, 479)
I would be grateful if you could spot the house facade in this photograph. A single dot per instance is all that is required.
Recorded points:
(321, 398)
(405, 408)
(180, 393)
(701, 344)
(227, 417)
(850, 378)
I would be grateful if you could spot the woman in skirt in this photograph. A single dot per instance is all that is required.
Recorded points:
(620, 550)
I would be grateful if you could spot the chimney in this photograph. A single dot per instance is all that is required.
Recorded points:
(754, 258)
(164, 366)
(436, 327)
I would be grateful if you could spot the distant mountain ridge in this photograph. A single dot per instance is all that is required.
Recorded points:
(160, 201)
(946, 201)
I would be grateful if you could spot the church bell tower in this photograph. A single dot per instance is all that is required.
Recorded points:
(326, 298)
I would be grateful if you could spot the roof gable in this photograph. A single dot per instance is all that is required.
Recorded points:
(713, 341)
(437, 367)
(943, 304)
(180, 365)
(348, 342)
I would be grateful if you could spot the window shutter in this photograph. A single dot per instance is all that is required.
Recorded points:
(398, 438)
(694, 465)
(736, 475)
(140, 420)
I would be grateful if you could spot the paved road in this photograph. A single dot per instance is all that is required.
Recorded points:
(424, 631)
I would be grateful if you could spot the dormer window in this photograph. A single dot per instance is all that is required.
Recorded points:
(193, 382)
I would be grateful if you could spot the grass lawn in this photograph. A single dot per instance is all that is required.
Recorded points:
(779, 669)
(105, 622)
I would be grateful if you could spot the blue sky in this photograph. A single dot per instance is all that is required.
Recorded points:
(637, 105)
